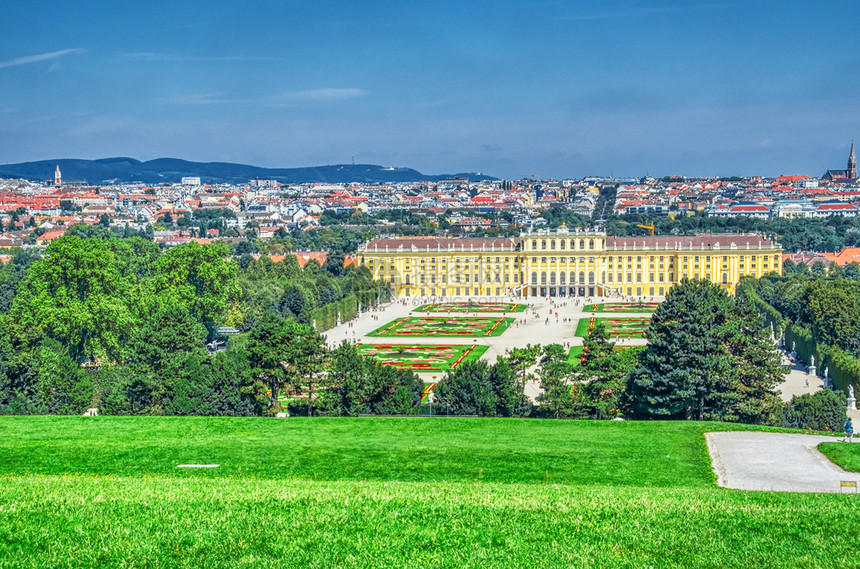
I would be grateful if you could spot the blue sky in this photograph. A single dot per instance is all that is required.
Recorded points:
(554, 88)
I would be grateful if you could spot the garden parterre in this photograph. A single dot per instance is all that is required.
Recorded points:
(422, 358)
(621, 307)
(472, 307)
(617, 327)
(443, 326)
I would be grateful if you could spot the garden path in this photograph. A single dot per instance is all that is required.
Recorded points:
(777, 462)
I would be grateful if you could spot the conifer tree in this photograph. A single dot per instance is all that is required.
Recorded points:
(703, 357)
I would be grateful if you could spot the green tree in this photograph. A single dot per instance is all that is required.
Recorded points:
(555, 381)
(521, 359)
(602, 374)
(688, 369)
(820, 411)
(167, 354)
(478, 388)
(63, 387)
(284, 354)
(78, 295)
(355, 384)
(199, 277)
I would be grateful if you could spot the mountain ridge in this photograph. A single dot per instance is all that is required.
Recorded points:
(121, 169)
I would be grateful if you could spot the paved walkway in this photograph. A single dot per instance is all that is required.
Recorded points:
(775, 462)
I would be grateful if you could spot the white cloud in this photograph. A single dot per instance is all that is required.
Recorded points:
(324, 94)
(282, 99)
(171, 57)
(40, 57)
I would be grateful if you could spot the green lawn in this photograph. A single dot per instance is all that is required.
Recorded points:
(845, 455)
(574, 355)
(390, 492)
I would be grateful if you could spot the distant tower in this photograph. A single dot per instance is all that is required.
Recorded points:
(852, 164)
(58, 179)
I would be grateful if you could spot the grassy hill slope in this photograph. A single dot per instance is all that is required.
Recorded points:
(386, 492)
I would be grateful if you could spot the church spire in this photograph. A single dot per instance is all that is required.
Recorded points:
(852, 163)
(58, 178)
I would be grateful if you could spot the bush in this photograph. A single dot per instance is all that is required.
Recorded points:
(821, 411)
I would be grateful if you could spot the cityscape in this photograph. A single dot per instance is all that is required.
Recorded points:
(487, 284)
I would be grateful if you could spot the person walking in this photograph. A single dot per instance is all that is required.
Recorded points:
(849, 430)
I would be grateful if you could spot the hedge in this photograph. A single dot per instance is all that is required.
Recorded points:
(325, 317)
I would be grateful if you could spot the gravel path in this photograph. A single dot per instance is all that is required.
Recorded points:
(775, 462)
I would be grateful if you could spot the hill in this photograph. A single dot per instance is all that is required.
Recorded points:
(394, 492)
(171, 170)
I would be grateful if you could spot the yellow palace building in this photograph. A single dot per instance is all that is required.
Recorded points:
(564, 263)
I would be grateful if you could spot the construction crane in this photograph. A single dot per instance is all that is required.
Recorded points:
(648, 227)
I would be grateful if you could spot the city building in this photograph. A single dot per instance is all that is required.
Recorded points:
(564, 263)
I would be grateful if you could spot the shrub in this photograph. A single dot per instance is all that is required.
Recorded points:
(821, 411)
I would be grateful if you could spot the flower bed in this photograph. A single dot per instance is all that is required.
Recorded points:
(622, 307)
(617, 327)
(470, 307)
(439, 326)
(422, 358)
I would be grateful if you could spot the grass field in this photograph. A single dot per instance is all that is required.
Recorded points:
(387, 492)
(421, 358)
(845, 455)
(444, 326)
(469, 307)
(617, 327)
(622, 307)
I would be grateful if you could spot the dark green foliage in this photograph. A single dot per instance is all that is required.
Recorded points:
(357, 385)
(707, 357)
(478, 388)
(820, 411)
(62, 387)
(834, 310)
(604, 377)
(284, 354)
(555, 379)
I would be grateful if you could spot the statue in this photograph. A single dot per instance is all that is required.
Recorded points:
(793, 346)
(851, 391)
(811, 361)
(826, 372)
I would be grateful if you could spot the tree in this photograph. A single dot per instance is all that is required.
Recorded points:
(555, 375)
(477, 388)
(199, 277)
(820, 411)
(334, 264)
(695, 365)
(756, 369)
(834, 310)
(521, 359)
(602, 374)
(63, 387)
(167, 353)
(78, 295)
(284, 354)
(355, 384)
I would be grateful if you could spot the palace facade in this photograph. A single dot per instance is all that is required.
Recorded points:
(565, 263)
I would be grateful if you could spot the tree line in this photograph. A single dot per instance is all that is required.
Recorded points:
(117, 323)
